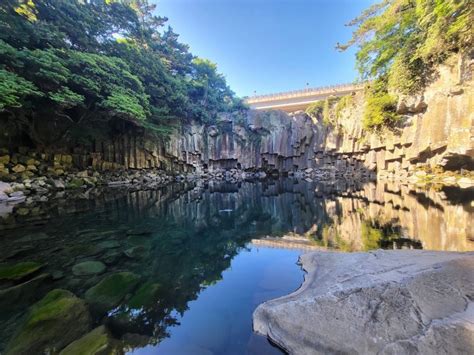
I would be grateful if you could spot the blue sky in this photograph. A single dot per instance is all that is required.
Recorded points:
(269, 45)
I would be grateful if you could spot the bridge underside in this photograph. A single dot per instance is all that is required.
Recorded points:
(299, 100)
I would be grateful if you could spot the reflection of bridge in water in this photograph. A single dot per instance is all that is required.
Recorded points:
(300, 99)
(289, 241)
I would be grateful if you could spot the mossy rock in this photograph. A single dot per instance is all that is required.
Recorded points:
(51, 324)
(109, 292)
(128, 316)
(19, 271)
(96, 342)
(75, 183)
(145, 296)
(88, 268)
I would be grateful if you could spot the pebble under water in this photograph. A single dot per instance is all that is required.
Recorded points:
(179, 270)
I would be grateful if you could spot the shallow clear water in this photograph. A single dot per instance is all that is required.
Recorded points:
(203, 257)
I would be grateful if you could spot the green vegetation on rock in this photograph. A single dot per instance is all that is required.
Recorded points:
(109, 292)
(323, 110)
(51, 324)
(15, 272)
(96, 342)
(145, 295)
(380, 107)
(400, 44)
(404, 40)
(371, 237)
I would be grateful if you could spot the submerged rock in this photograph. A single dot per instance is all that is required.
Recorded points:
(18, 271)
(387, 302)
(51, 324)
(109, 292)
(145, 296)
(88, 268)
(96, 342)
(19, 295)
(137, 252)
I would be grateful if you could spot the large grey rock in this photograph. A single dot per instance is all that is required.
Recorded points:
(387, 302)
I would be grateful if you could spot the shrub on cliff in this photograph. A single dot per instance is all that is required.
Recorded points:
(400, 43)
(404, 40)
(380, 107)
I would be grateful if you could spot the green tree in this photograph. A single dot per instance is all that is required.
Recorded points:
(404, 40)
(84, 66)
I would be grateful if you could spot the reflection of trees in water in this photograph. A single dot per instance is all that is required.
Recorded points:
(181, 238)
(372, 235)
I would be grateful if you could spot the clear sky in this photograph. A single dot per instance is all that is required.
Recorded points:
(269, 45)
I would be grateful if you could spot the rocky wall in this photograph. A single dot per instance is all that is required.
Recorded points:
(436, 133)
(260, 141)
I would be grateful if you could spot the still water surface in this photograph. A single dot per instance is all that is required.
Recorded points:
(200, 257)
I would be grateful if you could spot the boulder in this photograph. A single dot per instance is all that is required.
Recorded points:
(19, 295)
(17, 194)
(51, 324)
(3, 197)
(4, 159)
(111, 290)
(18, 271)
(96, 342)
(59, 184)
(88, 268)
(5, 187)
(18, 168)
(82, 174)
(385, 302)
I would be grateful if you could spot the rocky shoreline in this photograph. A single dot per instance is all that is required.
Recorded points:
(384, 302)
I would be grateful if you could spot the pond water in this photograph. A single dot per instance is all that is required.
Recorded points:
(179, 270)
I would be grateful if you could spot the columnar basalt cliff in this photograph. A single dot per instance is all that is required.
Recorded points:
(436, 131)
(435, 135)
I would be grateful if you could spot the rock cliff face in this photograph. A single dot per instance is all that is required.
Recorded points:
(261, 141)
(436, 133)
(437, 130)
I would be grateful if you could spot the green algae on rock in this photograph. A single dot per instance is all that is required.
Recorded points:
(51, 324)
(109, 292)
(16, 272)
(96, 342)
(145, 295)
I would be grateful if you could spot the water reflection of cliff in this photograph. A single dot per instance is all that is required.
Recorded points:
(399, 216)
(178, 240)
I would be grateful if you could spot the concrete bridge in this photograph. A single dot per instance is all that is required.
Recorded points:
(292, 101)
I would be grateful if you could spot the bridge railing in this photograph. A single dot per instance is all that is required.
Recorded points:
(304, 92)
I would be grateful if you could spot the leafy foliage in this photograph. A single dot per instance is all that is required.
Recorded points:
(380, 107)
(403, 40)
(75, 64)
(14, 89)
(323, 110)
(343, 103)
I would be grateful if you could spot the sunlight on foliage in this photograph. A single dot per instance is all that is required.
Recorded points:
(105, 63)
(380, 107)
(405, 39)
